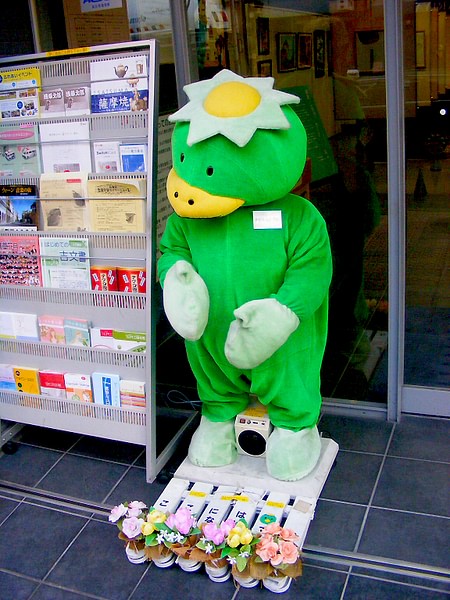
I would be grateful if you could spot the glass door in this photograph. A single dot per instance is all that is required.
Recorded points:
(331, 54)
(427, 128)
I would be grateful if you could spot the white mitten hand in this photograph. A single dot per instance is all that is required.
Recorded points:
(186, 300)
(260, 328)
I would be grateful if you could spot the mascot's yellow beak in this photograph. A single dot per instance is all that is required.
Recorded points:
(190, 201)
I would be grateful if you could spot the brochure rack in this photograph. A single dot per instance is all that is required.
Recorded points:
(133, 311)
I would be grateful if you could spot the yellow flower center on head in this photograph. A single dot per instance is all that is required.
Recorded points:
(232, 99)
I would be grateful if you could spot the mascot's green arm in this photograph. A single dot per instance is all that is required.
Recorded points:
(309, 270)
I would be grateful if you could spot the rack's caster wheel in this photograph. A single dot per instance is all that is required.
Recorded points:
(164, 477)
(10, 448)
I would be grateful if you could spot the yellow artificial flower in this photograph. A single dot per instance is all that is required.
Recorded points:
(155, 516)
(233, 539)
(240, 534)
(246, 537)
(147, 528)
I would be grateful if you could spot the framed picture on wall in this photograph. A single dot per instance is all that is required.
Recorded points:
(286, 52)
(370, 52)
(304, 51)
(265, 68)
(319, 53)
(420, 49)
(329, 54)
(263, 35)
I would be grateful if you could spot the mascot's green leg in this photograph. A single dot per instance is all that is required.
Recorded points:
(292, 455)
(213, 444)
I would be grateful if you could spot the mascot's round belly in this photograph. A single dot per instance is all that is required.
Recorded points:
(239, 263)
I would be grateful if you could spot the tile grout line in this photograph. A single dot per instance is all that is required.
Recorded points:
(63, 553)
(366, 513)
(130, 595)
(372, 495)
(122, 477)
(87, 456)
(398, 582)
(63, 454)
(61, 587)
(118, 482)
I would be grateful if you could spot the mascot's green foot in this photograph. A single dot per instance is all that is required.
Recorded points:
(292, 455)
(213, 444)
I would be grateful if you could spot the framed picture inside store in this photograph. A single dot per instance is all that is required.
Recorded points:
(264, 68)
(304, 50)
(420, 50)
(263, 35)
(319, 53)
(286, 52)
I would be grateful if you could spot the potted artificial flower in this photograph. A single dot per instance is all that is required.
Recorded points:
(179, 533)
(239, 548)
(209, 549)
(155, 548)
(129, 518)
(277, 558)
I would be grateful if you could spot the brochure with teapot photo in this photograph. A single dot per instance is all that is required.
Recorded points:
(119, 85)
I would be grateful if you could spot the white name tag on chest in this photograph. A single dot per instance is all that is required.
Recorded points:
(267, 219)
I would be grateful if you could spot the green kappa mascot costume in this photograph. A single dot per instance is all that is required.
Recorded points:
(245, 269)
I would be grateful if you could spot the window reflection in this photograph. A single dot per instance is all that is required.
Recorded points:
(334, 60)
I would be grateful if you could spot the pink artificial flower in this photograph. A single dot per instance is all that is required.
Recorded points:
(182, 520)
(288, 535)
(137, 504)
(267, 550)
(135, 508)
(227, 526)
(131, 527)
(213, 534)
(272, 529)
(117, 512)
(288, 552)
(276, 560)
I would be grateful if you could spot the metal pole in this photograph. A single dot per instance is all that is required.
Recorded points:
(393, 25)
(35, 26)
(184, 70)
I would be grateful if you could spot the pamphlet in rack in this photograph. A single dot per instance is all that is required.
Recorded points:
(119, 85)
(19, 93)
(18, 206)
(121, 205)
(63, 202)
(19, 261)
(65, 263)
(65, 147)
(19, 151)
(106, 157)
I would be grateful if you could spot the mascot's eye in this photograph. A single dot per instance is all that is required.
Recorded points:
(181, 157)
(209, 171)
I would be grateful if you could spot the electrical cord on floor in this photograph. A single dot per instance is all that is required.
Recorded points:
(175, 398)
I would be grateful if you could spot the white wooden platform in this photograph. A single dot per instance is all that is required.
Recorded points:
(251, 492)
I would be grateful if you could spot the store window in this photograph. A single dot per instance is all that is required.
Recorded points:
(427, 126)
(331, 54)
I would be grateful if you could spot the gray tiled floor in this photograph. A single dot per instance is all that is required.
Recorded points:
(387, 496)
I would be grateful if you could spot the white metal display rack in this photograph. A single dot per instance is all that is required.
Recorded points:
(130, 311)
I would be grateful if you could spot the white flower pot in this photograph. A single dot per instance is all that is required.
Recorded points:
(189, 565)
(218, 574)
(165, 561)
(278, 585)
(246, 582)
(135, 556)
